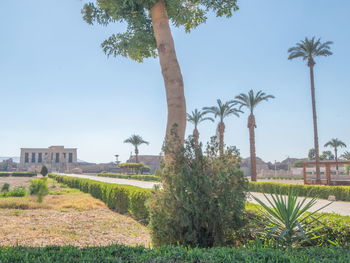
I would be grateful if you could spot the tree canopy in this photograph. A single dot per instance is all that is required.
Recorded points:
(138, 41)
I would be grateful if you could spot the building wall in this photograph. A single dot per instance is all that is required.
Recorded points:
(55, 158)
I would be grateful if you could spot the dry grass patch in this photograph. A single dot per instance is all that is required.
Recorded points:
(66, 217)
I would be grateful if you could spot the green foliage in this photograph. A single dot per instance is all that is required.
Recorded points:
(140, 177)
(44, 170)
(39, 187)
(17, 192)
(127, 254)
(289, 224)
(297, 164)
(5, 188)
(5, 174)
(202, 197)
(282, 177)
(121, 198)
(251, 100)
(342, 193)
(138, 41)
(331, 229)
(23, 174)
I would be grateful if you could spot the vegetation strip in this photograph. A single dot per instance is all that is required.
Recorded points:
(141, 177)
(17, 174)
(120, 253)
(342, 193)
(121, 198)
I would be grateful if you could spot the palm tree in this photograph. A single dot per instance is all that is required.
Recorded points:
(136, 141)
(250, 101)
(335, 143)
(222, 111)
(197, 117)
(346, 155)
(308, 49)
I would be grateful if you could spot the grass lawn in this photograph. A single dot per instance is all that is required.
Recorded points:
(66, 217)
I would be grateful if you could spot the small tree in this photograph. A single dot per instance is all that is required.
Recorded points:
(44, 171)
(202, 196)
(5, 188)
(39, 188)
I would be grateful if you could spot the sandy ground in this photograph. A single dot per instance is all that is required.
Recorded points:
(16, 181)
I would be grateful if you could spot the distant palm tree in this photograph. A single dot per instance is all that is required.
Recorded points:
(346, 155)
(136, 141)
(308, 49)
(250, 101)
(197, 117)
(335, 143)
(222, 111)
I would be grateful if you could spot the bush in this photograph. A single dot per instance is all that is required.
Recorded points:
(5, 188)
(330, 229)
(5, 174)
(202, 196)
(141, 177)
(121, 198)
(121, 254)
(23, 174)
(39, 188)
(17, 192)
(342, 193)
(44, 171)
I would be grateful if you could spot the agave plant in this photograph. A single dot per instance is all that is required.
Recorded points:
(291, 223)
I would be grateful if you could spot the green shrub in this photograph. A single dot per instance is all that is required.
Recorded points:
(121, 198)
(127, 254)
(17, 192)
(23, 174)
(140, 177)
(44, 171)
(5, 188)
(202, 197)
(5, 174)
(342, 193)
(39, 188)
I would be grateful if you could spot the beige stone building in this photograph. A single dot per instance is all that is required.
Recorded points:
(55, 158)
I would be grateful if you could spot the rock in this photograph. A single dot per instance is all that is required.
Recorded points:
(332, 198)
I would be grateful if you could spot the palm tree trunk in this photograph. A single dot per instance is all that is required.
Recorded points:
(196, 137)
(221, 128)
(173, 81)
(136, 154)
(336, 158)
(251, 126)
(311, 64)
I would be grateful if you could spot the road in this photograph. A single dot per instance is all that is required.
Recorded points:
(338, 207)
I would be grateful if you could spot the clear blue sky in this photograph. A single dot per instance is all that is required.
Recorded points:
(58, 88)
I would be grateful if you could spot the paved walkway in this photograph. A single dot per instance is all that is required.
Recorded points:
(338, 207)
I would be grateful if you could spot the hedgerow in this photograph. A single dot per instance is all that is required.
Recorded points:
(121, 198)
(141, 177)
(342, 193)
(17, 174)
(127, 254)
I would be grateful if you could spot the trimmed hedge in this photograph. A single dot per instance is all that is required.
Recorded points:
(342, 193)
(140, 177)
(17, 174)
(126, 254)
(121, 198)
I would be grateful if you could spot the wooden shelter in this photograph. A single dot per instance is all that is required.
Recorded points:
(327, 178)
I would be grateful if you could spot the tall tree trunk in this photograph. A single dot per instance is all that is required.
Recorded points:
(173, 81)
(311, 64)
(252, 126)
(221, 128)
(136, 154)
(196, 137)
(336, 157)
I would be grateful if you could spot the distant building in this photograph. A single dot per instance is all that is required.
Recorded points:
(152, 161)
(55, 158)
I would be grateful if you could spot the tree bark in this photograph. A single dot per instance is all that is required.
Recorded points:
(311, 64)
(136, 154)
(221, 128)
(336, 158)
(173, 81)
(252, 126)
(196, 137)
